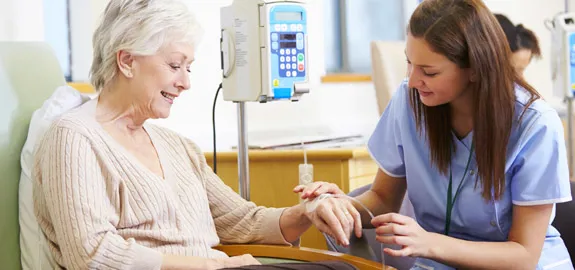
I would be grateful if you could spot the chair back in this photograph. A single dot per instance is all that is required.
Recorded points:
(389, 69)
(29, 73)
(564, 222)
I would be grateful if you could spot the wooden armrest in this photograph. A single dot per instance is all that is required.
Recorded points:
(300, 254)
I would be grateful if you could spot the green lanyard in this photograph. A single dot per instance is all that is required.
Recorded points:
(450, 198)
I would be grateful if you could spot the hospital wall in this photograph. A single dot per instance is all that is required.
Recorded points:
(339, 108)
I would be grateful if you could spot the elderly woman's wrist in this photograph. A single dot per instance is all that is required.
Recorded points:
(302, 213)
(296, 216)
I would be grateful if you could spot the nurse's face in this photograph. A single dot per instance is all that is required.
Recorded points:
(436, 78)
(521, 60)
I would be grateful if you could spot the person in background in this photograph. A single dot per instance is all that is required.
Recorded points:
(112, 191)
(482, 156)
(522, 42)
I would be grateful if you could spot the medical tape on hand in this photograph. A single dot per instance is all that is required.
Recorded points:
(310, 206)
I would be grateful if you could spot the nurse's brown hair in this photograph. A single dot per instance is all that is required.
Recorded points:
(467, 33)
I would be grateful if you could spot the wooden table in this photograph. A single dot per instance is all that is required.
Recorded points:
(274, 173)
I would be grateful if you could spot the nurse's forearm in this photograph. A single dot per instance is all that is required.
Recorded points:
(481, 255)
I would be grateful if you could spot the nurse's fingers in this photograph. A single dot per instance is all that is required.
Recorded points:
(393, 240)
(313, 190)
(301, 188)
(327, 188)
(398, 253)
(392, 228)
(298, 188)
(306, 190)
(390, 218)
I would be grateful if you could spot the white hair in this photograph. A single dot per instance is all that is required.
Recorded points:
(140, 27)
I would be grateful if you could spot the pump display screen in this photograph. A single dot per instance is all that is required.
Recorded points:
(287, 36)
(284, 45)
(288, 16)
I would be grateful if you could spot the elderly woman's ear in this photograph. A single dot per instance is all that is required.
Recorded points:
(125, 63)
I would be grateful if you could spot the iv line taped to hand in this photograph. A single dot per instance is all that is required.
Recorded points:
(360, 248)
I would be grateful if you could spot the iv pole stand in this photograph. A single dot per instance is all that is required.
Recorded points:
(243, 158)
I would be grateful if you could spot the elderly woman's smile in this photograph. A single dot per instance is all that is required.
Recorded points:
(169, 97)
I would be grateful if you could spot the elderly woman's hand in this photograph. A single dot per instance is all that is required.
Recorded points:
(336, 216)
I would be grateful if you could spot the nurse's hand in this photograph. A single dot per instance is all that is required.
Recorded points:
(311, 191)
(401, 230)
(335, 216)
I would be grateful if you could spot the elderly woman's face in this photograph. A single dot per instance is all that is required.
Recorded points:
(159, 79)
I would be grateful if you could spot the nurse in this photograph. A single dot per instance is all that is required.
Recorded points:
(523, 43)
(481, 155)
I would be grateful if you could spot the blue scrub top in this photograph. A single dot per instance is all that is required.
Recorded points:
(536, 173)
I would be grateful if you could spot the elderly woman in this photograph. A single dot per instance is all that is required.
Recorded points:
(114, 192)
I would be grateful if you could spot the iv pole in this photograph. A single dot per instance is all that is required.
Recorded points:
(241, 33)
(243, 158)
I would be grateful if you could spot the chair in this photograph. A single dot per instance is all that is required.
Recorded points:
(280, 254)
(29, 73)
(565, 223)
(389, 69)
